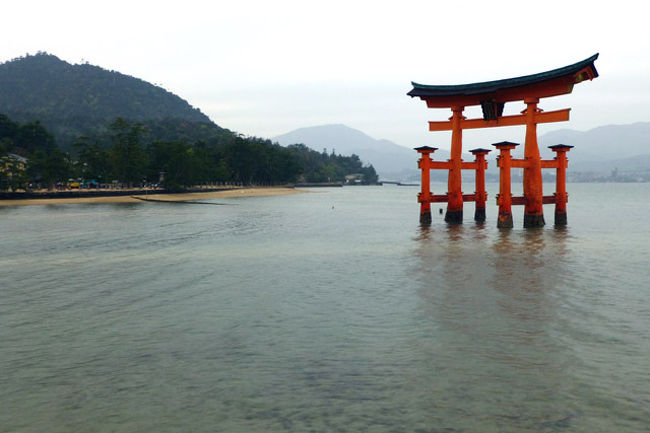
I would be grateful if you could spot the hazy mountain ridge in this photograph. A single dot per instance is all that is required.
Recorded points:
(613, 152)
(600, 151)
(609, 142)
(390, 160)
(82, 99)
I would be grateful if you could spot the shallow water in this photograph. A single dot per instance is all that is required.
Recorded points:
(329, 311)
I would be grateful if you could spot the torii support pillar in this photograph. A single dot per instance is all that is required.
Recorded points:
(424, 197)
(480, 195)
(533, 210)
(561, 196)
(504, 199)
(454, 212)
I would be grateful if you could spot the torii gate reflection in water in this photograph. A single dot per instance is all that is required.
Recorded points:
(492, 96)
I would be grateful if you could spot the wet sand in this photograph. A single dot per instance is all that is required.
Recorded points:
(236, 192)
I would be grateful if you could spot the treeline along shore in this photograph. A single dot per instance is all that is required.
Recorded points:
(130, 155)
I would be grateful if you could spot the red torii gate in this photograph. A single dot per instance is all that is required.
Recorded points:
(492, 96)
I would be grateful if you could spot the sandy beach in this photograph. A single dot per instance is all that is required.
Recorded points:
(236, 192)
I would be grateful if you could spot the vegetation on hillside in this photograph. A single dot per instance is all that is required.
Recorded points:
(324, 167)
(130, 160)
(74, 100)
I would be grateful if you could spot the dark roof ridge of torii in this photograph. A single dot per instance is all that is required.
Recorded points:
(491, 88)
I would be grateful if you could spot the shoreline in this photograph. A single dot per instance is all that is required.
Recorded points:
(157, 197)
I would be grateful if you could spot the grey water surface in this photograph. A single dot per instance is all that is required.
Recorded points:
(332, 311)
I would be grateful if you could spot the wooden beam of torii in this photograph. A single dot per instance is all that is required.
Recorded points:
(492, 96)
(519, 119)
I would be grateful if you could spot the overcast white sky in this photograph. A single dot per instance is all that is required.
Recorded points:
(265, 68)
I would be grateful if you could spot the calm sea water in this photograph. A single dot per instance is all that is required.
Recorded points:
(332, 311)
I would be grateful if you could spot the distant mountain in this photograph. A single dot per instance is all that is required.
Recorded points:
(73, 100)
(621, 149)
(603, 143)
(603, 152)
(391, 161)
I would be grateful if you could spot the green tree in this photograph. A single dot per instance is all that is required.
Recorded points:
(241, 156)
(221, 172)
(4, 161)
(46, 163)
(258, 161)
(179, 163)
(33, 136)
(127, 156)
(324, 167)
(92, 161)
(48, 167)
(8, 128)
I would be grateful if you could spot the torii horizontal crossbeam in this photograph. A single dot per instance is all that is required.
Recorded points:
(518, 119)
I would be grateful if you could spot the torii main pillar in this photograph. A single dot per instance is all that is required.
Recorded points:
(492, 96)
(454, 184)
(533, 210)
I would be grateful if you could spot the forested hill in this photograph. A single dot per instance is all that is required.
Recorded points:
(74, 100)
(60, 121)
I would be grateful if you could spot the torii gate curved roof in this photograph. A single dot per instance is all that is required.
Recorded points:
(551, 83)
